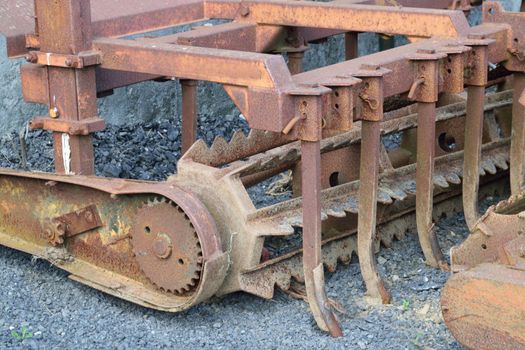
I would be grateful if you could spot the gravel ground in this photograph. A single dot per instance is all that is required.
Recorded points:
(59, 313)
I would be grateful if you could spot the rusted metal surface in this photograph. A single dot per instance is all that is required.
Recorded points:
(166, 246)
(473, 141)
(189, 114)
(366, 231)
(517, 153)
(72, 224)
(484, 307)
(312, 263)
(103, 254)
(483, 303)
(171, 245)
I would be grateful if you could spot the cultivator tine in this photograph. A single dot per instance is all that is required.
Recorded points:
(312, 262)
(474, 131)
(366, 229)
(472, 153)
(517, 145)
(425, 91)
(426, 136)
(372, 98)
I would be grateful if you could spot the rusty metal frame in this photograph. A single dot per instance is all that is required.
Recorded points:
(77, 50)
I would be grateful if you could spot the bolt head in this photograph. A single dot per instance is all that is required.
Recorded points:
(162, 246)
(31, 57)
(54, 113)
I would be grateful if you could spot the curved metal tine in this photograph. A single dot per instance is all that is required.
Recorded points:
(312, 254)
(517, 144)
(472, 153)
(426, 139)
(366, 222)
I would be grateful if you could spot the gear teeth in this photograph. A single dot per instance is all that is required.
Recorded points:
(383, 197)
(240, 146)
(336, 213)
(441, 181)
(160, 200)
(393, 191)
(453, 178)
(501, 162)
(238, 138)
(489, 166)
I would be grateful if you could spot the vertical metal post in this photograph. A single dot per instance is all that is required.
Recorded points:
(386, 42)
(189, 114)
(472, 152)
(312, 255)
(367, 214)
(517, 145)
(426, 143)
(65, 28)
(295, 62)
(351, 45)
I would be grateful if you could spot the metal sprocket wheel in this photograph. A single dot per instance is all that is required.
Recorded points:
(167, 247)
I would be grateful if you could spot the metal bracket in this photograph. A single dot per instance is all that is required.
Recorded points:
(72, 224)
(477, 62)
(311, 107)
(426, 75)
(453, 67)
(72, 127)
(343, 102)
(371, 92)
(82, 60)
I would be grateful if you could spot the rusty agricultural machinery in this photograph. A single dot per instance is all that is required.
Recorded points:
(452, 95)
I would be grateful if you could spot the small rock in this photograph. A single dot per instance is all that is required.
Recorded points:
(395, 278)
(217, 325)
(361, 345)
(424, 310)
(381, 260)
(173, 135)
(112, 170)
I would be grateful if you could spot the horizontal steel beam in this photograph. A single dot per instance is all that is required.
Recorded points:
(229, 36)
(342, 15)
(220, 66)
